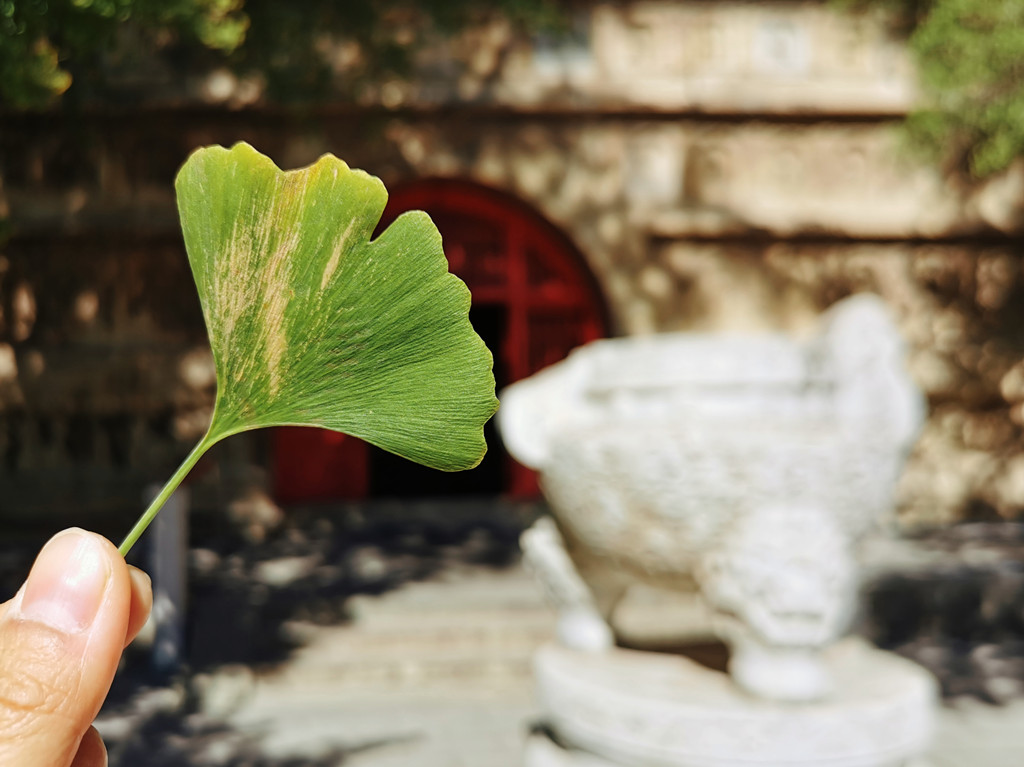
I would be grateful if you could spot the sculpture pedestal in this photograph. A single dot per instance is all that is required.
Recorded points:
(622, 708)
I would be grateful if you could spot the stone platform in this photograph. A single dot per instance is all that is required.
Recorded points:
(660, 710)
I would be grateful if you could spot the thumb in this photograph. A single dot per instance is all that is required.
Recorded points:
(60, 641)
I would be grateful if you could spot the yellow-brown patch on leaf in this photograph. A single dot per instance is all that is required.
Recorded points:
(335, 259)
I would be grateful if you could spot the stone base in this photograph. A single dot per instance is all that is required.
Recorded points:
(623, 708)
(541, 751)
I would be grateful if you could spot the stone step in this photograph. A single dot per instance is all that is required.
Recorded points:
(459, 652)
(456, 630)
(470, 628)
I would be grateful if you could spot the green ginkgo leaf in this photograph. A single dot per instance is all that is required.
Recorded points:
(313, 323)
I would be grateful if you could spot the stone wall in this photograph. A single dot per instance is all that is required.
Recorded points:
(723, 165)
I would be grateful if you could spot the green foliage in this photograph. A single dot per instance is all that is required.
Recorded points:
(45, 44)
(43, 41)
(312, 323)
(970, 56)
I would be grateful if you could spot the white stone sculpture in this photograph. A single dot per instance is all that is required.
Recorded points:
(745, 466)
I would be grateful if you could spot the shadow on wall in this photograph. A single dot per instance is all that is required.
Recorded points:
(101, 386)
(959, 306)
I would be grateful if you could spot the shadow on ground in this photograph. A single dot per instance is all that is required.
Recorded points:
(242, 594)
(168, 739)
(961, 616)
(962, 619)
(151, 733)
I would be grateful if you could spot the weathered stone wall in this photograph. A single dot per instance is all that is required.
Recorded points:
(723, 165)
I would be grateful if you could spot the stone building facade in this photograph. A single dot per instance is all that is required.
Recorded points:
(714, 165)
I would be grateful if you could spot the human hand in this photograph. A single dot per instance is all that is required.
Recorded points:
(61, 638)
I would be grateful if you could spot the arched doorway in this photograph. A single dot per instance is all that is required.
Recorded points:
(533, 301)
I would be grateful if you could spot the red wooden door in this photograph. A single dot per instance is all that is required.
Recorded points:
(533, 301)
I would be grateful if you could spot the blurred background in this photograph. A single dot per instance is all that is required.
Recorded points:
(596, 169)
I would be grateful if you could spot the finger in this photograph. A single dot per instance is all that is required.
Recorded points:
(91, 751)
(141, 603)
(60, 641)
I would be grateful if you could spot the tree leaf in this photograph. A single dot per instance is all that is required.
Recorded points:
(313, 323)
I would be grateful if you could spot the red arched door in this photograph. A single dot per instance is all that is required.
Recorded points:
(533, 301)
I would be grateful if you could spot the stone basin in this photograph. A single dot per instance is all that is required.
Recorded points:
(746, 465)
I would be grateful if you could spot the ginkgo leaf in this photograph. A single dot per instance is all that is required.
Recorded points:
(313, 323)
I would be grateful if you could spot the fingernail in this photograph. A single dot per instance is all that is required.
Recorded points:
(67, 582)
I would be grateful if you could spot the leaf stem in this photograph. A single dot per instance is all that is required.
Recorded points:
(172, 484)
